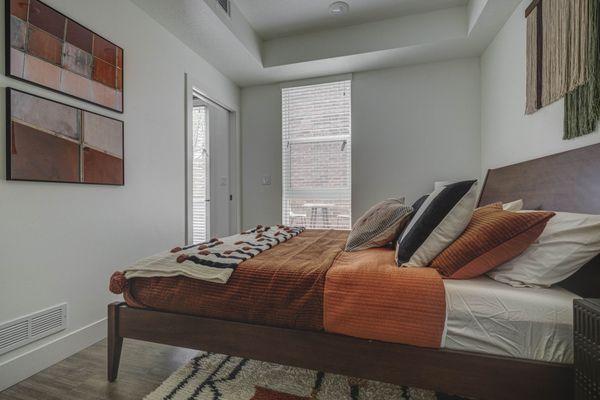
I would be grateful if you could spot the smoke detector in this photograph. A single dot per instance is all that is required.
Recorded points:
(339, 8)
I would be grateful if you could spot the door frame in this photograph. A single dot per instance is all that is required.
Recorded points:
(194, 86)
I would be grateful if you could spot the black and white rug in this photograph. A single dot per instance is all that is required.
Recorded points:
(218, 377)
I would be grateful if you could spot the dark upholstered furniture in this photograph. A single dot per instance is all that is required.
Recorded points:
(586, 316)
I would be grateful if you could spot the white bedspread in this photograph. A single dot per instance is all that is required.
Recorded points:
(490, 317)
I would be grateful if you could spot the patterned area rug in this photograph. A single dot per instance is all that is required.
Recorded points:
(219, 377)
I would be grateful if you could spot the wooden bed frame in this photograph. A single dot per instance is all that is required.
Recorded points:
(567, 181)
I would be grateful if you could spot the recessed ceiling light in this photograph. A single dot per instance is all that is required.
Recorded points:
(339, 8)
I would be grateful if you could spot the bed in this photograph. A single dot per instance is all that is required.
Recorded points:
(473, 361)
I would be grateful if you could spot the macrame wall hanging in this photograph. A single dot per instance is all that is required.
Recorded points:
(562, 61)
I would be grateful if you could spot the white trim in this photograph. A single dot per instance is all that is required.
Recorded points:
(187, 159)
(235, 182)
(316, 81)
(18, 368)
(191, 81)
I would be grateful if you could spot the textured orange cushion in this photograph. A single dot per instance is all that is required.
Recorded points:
(493, 237)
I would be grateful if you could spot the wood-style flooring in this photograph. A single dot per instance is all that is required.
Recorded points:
(83, 376)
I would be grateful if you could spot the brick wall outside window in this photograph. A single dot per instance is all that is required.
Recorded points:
(316, 129)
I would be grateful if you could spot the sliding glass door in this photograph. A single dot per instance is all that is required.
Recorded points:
(211, 166)
(209, 196)
(200, 173)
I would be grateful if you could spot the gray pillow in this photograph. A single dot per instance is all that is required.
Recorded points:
(380, 225)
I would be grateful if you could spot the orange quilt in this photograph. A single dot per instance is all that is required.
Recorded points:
(309, 283)
(368, 296)
(280, 287)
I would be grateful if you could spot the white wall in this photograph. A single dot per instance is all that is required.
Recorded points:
(508, 135)
(60, 242)
(261, 155)
(411, 126)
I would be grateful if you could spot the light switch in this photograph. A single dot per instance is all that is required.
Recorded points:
(266, 180)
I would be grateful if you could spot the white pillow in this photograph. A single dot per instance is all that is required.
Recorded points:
(516, 205)
(442, 184)
(567, 243)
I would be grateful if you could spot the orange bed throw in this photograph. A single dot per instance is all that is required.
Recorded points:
(368, 296)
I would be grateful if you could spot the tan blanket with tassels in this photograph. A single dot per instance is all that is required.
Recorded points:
(215, 260)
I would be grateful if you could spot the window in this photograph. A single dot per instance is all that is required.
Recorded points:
(317, 155)
(199, 175)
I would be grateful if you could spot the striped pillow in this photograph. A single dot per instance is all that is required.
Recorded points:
(441, 218)
(493, 237)
(379, 226)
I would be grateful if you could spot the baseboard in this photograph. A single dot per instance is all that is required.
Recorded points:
(39, 358)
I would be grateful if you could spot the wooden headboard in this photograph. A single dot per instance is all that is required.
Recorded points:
(569, 182)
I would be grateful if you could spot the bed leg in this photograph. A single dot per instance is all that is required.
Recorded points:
(115, 342)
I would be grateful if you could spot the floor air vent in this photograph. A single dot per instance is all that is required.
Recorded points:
(29, 328)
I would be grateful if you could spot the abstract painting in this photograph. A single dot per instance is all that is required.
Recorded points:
(51, 50)
(53, 142)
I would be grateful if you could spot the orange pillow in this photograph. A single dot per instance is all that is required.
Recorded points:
(493, 237)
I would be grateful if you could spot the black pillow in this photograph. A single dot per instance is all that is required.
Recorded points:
(431, 211)
(417, 204)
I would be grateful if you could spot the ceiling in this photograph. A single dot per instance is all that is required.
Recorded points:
(266, 41)
(277, 18)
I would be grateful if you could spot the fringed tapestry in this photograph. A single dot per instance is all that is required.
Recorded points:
(562, 61)
(582, 105)
(534, 93)
(556, 50)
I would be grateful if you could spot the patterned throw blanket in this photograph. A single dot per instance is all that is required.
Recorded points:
(215, 260)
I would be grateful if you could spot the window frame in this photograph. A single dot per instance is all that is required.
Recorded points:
(342, 193)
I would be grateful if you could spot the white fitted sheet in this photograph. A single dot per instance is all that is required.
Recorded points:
(486, 316)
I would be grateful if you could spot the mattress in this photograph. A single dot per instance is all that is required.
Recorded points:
(285, 287)
(486, 316)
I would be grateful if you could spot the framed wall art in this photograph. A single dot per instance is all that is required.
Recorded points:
(46, 48)
(54, 142)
